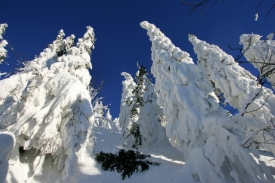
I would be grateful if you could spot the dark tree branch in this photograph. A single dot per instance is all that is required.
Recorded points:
(203, 3)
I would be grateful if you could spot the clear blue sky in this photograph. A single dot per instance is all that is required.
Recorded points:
(121, 42)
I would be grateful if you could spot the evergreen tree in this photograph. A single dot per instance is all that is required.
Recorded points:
(126, 104)
(102, 116)
(48, 106)
(144, 128)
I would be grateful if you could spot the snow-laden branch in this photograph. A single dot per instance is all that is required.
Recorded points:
(239, 86)
(261, 54)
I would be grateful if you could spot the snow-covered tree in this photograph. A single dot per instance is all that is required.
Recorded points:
(102, 116)
(3, 43)
(211, 141)
(261, 54)
(144, 115)
(126, 103)
(239, 88)
(48, 106)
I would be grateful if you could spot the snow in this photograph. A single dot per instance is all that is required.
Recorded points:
(261, 54)
(239, 87)
(139, 96)
(196, 124)
(270, 36)
(52, 123)
(7, 141)
(3, 43)
(51, 81)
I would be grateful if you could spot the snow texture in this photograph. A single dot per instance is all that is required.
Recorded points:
(7, 141)
(48, 107)
(211, 142)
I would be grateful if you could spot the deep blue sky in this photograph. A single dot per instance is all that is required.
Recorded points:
(121, 42)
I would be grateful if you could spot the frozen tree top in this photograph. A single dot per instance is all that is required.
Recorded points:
(87, 42)
(160, 41)
(2, 29)
(3, 43)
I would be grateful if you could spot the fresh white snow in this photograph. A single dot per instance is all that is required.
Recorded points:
(52, 123)
(7, 141)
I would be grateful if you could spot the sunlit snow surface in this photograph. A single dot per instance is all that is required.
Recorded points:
(108, 140)
(89, 171)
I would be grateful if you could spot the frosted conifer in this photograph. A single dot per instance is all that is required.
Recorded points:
(48, 106)
(144, 127)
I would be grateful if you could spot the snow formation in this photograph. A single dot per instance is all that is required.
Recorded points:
(212, 142)
(48, 106)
